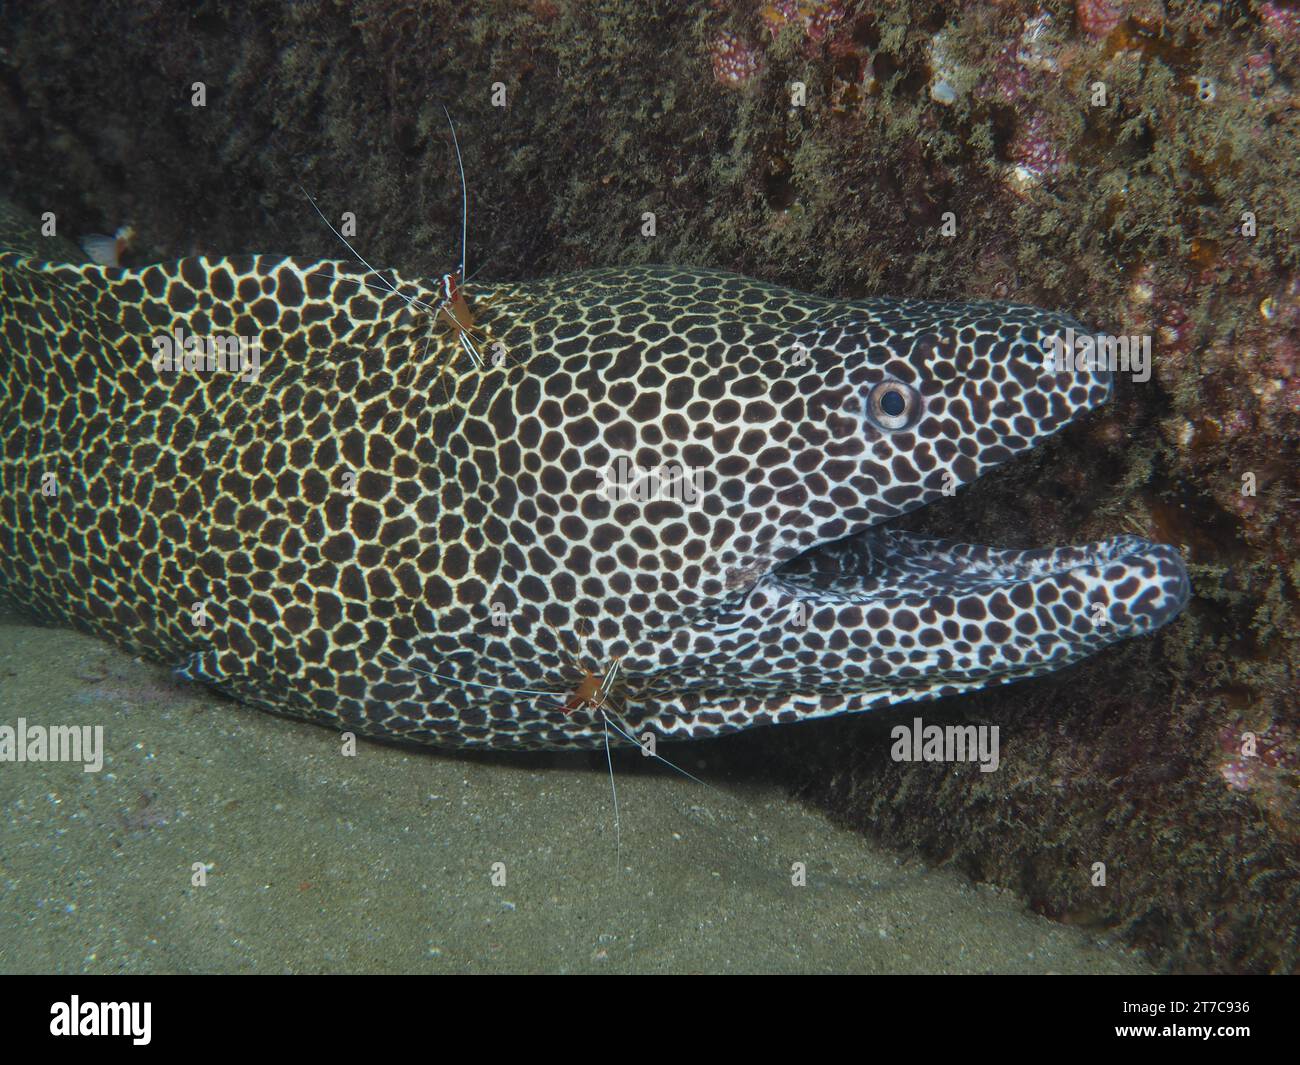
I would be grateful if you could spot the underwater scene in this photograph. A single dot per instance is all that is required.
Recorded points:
(629, 486)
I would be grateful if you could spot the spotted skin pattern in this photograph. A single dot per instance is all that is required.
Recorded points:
(377, 535)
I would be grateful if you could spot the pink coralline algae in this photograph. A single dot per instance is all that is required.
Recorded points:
(1025, 64)
(1256, 73)
(1274, 757)
(735, 62)
(1034, 150)
(1098, 18)
(1010, 80)
(1284, 353)
(1276, 385)
(1281, 20)
(817, 18)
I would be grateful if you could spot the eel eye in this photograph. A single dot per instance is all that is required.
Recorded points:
(893, 405)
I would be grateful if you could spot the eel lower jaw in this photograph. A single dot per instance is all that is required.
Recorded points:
(1090, 594)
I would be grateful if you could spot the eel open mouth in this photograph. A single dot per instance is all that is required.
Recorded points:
(991, 610)
(885, 616)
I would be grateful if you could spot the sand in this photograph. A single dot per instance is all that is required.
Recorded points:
(390, 859)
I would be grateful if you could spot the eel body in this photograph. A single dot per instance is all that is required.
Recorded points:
(685, 472)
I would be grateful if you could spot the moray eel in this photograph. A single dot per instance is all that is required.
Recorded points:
(377, 533)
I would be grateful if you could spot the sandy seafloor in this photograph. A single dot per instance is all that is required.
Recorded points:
(383, 861)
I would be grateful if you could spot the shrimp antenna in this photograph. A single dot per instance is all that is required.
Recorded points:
(464, 193)
(456, 680)
(408, 300)
(350, 248)
(618, 722)
(618, 831)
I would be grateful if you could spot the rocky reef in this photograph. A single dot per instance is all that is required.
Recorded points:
(1135, 162)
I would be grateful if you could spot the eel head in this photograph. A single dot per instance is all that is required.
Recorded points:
(721, 461)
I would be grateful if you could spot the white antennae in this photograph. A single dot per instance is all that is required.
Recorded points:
(653, 754)
(361, 283)
(467, 683)
(464, 195)
(350, 248)
(618, 832)
(357, 255)
(611, 675)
